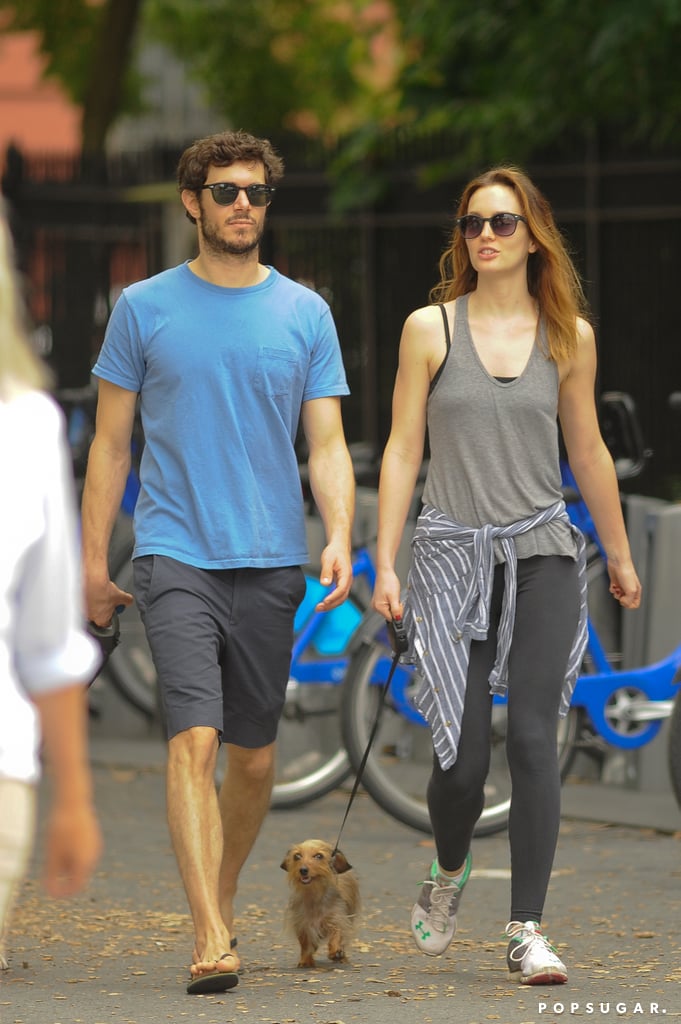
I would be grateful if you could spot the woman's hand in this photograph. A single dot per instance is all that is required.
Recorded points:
(625, 585)
(386, 599)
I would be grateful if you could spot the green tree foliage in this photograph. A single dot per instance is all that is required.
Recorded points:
(284, 65)
(86, 47)
(516, 76)
(66, 29)
(499, 79)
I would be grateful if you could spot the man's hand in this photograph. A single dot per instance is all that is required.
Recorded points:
(102, 600)
(336, 571)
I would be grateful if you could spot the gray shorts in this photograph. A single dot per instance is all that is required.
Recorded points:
(221, 642)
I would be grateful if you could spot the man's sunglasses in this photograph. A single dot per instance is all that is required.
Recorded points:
(225, 193)
(502, 224)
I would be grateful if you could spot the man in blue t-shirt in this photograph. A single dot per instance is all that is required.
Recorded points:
(227, 356)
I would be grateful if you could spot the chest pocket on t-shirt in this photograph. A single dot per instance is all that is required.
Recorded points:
(275, 372)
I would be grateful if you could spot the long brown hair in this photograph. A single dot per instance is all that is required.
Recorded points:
(552, 279)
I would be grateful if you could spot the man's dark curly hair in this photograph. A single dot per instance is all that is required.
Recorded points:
(221, 150)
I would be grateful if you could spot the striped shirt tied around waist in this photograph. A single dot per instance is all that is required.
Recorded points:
(448, 605)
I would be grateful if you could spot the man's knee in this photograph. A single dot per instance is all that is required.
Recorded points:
(194, 748)
(252, 764)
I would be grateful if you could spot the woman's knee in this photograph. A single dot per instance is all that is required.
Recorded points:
(532, 746)
(463, 783)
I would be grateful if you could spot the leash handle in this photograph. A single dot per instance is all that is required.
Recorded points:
(400, 644)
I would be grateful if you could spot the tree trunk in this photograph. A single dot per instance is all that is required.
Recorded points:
(110, 58)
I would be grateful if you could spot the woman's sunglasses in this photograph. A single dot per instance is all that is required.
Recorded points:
(502, 224)
(224, 193)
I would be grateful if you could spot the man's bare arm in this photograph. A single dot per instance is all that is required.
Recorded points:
(107, 471)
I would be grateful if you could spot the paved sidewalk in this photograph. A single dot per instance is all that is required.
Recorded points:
(120, 953)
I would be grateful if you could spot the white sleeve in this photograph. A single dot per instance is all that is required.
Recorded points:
(52, 647)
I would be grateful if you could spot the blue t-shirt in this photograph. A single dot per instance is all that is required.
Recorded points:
(222, 374)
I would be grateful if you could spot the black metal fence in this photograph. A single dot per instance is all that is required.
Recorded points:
(85, 233)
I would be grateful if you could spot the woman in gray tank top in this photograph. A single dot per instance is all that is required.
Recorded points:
(496, 591)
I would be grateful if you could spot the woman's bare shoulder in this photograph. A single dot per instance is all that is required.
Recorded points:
(585, 332)
(427, 321)
(423, 337)
(426, 316)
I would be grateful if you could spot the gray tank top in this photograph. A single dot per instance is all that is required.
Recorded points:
(494, 446)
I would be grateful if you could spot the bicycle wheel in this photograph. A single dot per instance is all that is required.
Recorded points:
(674, 748)
(311, 759)
(399, 765)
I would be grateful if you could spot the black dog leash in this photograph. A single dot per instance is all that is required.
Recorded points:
(107, 639)
(399, 644)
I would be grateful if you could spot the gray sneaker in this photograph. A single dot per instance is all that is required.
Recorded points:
(433, 917)
(531, 958)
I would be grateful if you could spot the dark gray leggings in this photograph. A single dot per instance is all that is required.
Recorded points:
(547, 610)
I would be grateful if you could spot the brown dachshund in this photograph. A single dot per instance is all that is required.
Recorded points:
(324, 899)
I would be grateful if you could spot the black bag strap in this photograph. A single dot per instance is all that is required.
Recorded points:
(448, 344)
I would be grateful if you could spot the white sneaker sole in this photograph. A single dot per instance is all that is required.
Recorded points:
(546, 976)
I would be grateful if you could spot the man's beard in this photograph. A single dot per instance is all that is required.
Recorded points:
(219, 246)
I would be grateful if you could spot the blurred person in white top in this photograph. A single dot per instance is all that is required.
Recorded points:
(46, 656)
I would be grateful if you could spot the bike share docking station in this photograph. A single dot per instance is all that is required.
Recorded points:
(649, 634)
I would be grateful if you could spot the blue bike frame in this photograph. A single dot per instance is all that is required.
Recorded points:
(320, 646)
(643, 695)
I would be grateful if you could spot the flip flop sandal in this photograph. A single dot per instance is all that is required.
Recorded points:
(215, 981)
(232, 945)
